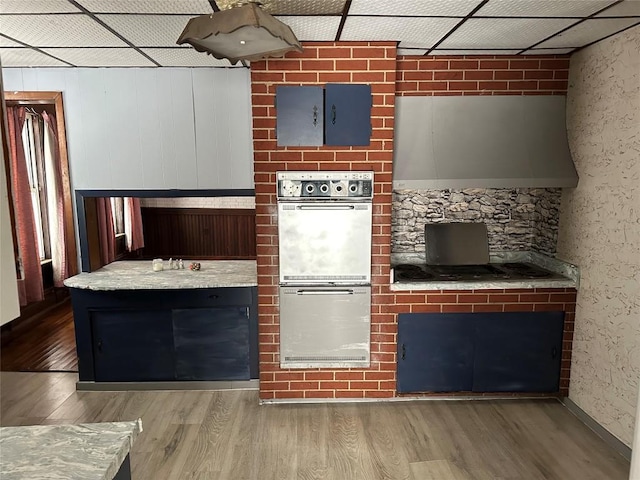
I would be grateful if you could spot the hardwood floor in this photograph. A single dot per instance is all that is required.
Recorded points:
(228, 435)
(48, 345)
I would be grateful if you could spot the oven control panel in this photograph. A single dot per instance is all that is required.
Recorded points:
(307, 185)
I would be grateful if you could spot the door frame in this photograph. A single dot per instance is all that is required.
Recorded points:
(55, 99)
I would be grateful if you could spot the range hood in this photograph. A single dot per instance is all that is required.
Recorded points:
(481, 142)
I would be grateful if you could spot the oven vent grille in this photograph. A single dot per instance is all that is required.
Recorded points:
(325, 359)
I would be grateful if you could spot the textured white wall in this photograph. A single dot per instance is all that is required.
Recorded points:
(151, 128)
(600, 229)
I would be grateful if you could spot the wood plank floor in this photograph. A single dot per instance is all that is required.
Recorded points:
(48, 346)
(228, 435)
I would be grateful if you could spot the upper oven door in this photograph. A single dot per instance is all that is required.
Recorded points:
(323, 242)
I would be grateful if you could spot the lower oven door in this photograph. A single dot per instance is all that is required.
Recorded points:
(325, 326)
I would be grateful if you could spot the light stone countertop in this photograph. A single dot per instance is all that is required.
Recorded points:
(139, 275)
(566, 275)
(49, 452)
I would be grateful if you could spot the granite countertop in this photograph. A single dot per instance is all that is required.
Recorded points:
(565, 274)
(139, 275)
(48, 452)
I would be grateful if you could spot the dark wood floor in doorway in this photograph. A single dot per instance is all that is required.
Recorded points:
(47, 345)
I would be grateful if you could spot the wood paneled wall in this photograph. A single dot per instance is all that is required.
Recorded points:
(151, 128)
(199, 233)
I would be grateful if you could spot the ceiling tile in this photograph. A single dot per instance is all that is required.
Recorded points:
(410, 51)
(473, 52)
(194, 7)
(294, 7)
(589, 31)
(542, 8)
(5, 42)
(185, 57)
(27, 57)
(628, 8)
(36, 6)
(313, 28)
(58, 31)
(504, 33)
(548, 51)
(413, 32)
(148, 30)
(101, 57)
(459, 8)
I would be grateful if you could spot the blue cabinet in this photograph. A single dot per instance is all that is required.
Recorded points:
(166, 335)
(435, 353)
(480, 352)
(339, 114)
(299, 120)
(347, 119)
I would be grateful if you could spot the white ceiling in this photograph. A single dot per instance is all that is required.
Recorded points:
(142, 33)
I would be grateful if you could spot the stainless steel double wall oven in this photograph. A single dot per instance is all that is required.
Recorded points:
(324, 230)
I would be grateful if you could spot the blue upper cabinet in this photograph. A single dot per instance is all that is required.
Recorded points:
(347, 119)
(299, 118)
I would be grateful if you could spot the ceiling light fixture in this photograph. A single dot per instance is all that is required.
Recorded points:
(244, 32)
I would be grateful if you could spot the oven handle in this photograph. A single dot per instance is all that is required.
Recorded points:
(325, 207)
(325, 292)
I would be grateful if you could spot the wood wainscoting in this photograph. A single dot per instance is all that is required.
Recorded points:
(199, 233)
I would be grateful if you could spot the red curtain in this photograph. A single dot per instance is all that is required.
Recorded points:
(106, 231)
(133, 223)
(55, 200)
(30, 285)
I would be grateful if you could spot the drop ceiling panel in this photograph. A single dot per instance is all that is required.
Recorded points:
(589, 31)
(196, 7)
(504, 33)
(542, 8)
(5, 42)
(628, 8)
(411, 51)
(474, 52)
(101, 57)
(27, 57)
(185, 57)
(36, 6)
(148, 30)
(458, 8)
(313, 28)
(58, 31)
(548, 51)
(294, 7)
(413, 32)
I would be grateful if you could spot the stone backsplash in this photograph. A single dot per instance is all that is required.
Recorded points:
(517, 219)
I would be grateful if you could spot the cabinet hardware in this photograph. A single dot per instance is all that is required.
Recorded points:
(315, 115)
(99, 346)
(213, 297)
(554, 352)
(333, 114)
(404, 351)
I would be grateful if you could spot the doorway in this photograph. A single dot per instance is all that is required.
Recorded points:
(42, 167)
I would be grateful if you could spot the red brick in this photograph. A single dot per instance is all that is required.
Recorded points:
(524, 85)
(426, 308)
(334, 385)
(518, 307)
(473, 298)
(457, 308)
(430, 64)
(508, 75)
(463, 85)
(319, 394)
(349, 394)
(432, 86)
(328, 77)
(317, 65)
(494, 64)
(287, 376)
(304, 385)
(562, 297)
(556, 64)
(419, 75)
(294, 77)
(349, 375)
(437, 298)
(488, 307)
(528, 64)
(553, 84)
(464, 64)
(538, 74)
(287, 394)
(548, 307)
(318, 375)
(492, 85)
(363, 385)
(366, 52)
(448, 75)
(478, 75)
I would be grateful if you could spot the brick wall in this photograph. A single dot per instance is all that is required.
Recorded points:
(482, 75)
(321, 63)
(375, 63)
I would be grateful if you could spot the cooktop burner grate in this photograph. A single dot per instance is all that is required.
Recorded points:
(502, 271)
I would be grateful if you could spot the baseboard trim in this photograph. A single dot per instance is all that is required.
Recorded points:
(599, 430)
(187, 385)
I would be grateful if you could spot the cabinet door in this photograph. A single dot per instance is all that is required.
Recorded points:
(299, 116)
(518, 352)
(435, 352)
(132, 346)
(347, 119)
(211, 343)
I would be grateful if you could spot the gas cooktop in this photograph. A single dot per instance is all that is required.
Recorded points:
(412, 273)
